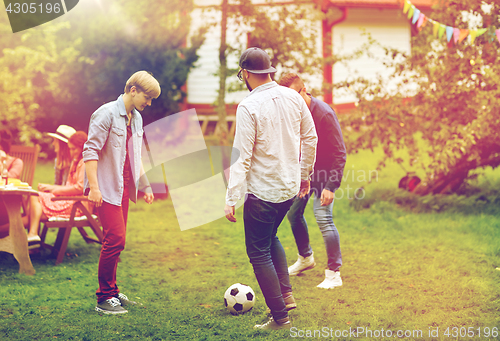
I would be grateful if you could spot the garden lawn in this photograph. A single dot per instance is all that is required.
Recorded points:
(417, 273)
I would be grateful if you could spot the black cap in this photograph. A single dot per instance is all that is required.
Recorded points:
(255, 60)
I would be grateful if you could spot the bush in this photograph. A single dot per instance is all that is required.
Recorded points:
(486, 202)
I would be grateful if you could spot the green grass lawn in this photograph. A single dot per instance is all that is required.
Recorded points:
(420, 273)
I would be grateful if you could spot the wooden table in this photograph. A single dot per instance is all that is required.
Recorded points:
(16, 242)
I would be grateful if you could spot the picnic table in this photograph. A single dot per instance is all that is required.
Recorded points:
(17, 241)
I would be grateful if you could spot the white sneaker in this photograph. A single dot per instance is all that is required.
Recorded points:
(332, 280)
(302, 264)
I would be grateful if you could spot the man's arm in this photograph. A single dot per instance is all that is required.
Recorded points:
(336, 150)
(95, 195)
(308, 140)
(100, 124)
(145, 186)
(244, 142)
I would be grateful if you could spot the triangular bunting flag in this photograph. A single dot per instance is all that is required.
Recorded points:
(456, 35)
(435, 28)
(406, 7)
(472, 35)
(481, 31)
(442, 29)
(449, 33)
(416, 14)
(421, 20)
(438, 29)
(463, 35)
(410, 12)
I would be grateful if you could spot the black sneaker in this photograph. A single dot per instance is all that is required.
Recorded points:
(110, 306)
(125, 301)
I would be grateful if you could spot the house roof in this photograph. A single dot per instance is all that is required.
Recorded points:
(380, 3)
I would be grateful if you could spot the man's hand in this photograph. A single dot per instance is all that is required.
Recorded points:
(229, 211)
(95, 197)
(149, 197)
(326, 197)
(305, 186)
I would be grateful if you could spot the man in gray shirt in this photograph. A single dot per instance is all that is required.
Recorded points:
(276, 140)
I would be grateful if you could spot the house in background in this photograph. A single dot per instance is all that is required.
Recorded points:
(382, 19)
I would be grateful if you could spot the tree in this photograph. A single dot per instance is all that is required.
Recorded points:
(62, 71)
(32, 65)
(289, 31)
(222, 132)
(446, 95)
(133, 36)
(292, 44)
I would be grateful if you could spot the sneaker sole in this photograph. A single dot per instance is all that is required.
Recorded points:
(329, 287)
(130, 303)
(286, 326)
(110, 312)
(300, 271)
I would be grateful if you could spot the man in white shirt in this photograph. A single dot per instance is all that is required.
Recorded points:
(276, 140)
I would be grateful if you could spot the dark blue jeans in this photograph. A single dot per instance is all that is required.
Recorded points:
(265, 251)
(324, 218)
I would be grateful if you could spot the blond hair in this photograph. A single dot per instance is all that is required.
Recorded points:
(144, 82)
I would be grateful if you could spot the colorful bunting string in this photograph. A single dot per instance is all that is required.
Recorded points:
(438, 30)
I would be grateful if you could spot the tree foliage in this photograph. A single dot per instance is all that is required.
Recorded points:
(289, 28)
(32, 65)
(133, 36)
(62, 71)
(445, 95)
(286, 33)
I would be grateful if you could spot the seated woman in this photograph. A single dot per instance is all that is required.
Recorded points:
(42, 207)
(14, 168)
(13, 164)
(63, 158)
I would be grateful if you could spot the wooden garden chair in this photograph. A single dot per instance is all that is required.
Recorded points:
(29, 155)
(65, 225)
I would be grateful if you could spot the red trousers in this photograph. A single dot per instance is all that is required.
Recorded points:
(114, 224)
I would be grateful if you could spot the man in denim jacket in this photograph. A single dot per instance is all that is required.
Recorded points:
(114, 173)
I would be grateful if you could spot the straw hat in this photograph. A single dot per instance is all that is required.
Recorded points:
(63, 133)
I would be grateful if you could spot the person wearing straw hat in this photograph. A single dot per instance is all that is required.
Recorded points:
(276, 140)
(42, 207)
(63, 157)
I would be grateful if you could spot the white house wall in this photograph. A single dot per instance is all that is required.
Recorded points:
(203, 82)
(388, 26)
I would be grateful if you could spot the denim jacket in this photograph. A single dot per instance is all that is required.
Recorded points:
(106, 144)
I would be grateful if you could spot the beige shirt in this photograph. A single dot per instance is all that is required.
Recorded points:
(273, 126)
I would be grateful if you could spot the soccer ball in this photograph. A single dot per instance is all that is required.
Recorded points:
(239, 298)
